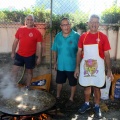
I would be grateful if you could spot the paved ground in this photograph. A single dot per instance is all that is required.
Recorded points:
(110, 108)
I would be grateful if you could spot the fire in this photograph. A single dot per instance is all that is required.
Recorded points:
(15, 118)
(43, 116)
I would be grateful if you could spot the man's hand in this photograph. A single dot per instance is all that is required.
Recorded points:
(110, 75)
(55, 66)
(14, 46)
(76, 73)
(38, 60)
(13, 55)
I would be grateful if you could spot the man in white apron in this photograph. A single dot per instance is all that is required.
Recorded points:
(93, 50)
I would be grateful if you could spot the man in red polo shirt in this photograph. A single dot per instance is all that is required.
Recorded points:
(28, 45)
(93, 51)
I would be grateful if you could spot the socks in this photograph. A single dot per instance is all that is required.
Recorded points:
(87, 103)
(96, 105)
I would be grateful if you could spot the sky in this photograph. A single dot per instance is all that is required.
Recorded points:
(94, 6)
(18, 4)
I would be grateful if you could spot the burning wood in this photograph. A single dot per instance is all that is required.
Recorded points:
(41, 117)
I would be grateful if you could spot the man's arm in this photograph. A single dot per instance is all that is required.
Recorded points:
(108, 65)
(78, 60)
(14, 46)
(38, 52)
(55, 60)
(107, 60)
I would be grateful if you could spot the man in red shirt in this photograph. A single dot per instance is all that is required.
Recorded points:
(25, 48)
(93, 50)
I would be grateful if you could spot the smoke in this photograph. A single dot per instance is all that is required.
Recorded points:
(19, 98)
(8, 89)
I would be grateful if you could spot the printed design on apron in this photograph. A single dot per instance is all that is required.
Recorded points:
(90, 68)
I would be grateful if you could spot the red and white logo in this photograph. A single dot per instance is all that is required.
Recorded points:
(30, 34)
(97, 40)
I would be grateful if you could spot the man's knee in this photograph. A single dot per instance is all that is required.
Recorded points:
(29, 71)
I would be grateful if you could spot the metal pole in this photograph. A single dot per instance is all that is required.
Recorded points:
(51, 36)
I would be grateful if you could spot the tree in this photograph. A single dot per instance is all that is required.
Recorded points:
(13, 16)
(111, 15)
(77, 18)
(41, 14)
(2, 16)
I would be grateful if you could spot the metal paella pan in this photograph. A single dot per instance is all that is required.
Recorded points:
(27, 103)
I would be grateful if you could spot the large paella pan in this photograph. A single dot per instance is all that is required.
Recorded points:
(27, 103)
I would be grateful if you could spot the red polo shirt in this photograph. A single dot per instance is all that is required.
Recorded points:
(97, 38)
(28, 38)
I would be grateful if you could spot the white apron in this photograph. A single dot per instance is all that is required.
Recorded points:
(92, 70)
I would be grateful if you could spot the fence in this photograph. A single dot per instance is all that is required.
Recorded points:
(50, 12)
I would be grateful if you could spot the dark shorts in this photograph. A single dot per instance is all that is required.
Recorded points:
(63, 75)
(29, 62)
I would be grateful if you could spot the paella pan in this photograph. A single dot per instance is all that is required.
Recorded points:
(27, 102)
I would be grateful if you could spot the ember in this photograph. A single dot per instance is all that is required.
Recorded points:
(40, 117)
(43, 116)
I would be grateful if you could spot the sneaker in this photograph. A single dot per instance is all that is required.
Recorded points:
(84, 108)
(97, 111)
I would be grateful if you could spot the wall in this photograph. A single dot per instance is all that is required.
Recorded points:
(114, 38)
(7, 32)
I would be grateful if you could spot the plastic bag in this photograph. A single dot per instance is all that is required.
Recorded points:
(105, 91)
